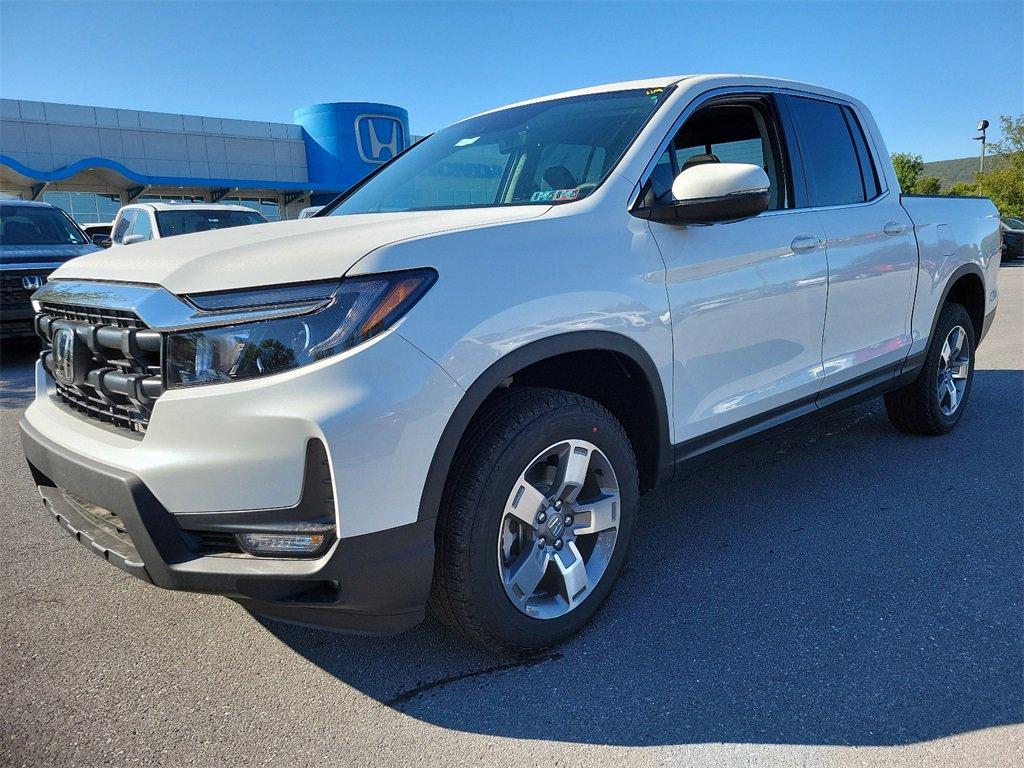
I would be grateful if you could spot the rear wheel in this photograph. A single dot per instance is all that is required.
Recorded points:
(934, 402)
(535, 521)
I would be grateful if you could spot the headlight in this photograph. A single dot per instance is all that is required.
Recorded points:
(357, 310)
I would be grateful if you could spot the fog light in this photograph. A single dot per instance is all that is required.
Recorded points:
(281, 543)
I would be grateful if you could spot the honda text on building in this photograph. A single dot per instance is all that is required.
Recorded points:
(451, 386)
(35, 239)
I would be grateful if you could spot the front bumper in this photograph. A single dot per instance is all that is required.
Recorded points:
(374, 583)
(379, 410)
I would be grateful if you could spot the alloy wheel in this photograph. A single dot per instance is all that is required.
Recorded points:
(558, 529)
(954, 366)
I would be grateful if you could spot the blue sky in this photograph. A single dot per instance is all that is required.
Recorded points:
(929, 71)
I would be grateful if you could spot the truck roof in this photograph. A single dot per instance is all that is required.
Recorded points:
(666, 81)
(171, 205)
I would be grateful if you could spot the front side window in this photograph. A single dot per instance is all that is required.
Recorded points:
(32, 225)
(183, 222)
(830, 161)
(724, 132)
(121, 228)
(536, 154)
(142, 225)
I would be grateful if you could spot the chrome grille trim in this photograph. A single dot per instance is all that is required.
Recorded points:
(155, 307)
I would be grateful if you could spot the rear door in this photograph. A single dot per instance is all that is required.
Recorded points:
(748, 297)
(870, 245)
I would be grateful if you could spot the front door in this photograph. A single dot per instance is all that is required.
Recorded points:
(747, 298)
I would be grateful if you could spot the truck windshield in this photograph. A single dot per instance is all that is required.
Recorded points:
(535, 154)
(183, 222)
(32, 225)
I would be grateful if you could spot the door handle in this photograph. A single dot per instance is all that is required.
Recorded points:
(893, 228)
(805, 243)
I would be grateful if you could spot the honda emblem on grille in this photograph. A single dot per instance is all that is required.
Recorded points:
(64, 355)
(32, 282)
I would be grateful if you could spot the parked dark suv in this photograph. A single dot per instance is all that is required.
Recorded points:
(1013, 238)
(35, 239)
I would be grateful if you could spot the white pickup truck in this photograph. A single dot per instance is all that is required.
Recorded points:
(452, 386)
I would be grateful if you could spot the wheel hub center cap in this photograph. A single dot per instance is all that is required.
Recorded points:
(556, 525)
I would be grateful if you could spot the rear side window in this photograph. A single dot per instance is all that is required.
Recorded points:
(830, 160)
(868, 174)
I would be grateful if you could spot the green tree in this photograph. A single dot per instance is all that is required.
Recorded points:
(962, 188)
(1003, 180)
(926, 185)
(908, 168)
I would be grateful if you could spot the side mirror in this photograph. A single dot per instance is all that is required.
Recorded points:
(132, 239)
(714, 193)
(103, 241)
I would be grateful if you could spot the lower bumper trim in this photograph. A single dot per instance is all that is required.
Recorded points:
(376, 583)
(117, 550)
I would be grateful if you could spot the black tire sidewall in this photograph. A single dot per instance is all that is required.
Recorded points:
(493, 607)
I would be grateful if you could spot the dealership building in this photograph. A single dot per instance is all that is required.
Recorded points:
(92, 160)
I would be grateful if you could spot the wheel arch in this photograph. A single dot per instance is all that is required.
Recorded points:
(966, 286)
(530, 361)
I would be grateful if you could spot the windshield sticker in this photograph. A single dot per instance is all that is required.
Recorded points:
(555, 196)
(466, 142)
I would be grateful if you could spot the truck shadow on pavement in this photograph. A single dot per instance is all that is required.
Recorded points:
(840, 584)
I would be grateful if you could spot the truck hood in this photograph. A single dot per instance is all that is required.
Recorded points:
(295, 251)
(23, 255)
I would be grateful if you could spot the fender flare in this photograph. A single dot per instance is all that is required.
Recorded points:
(517, 360)
(970, 268)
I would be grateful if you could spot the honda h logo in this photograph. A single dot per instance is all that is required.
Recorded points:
(64, 355)
(378, 137)
(32, 282)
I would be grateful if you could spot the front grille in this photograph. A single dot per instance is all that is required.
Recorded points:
(12, 293)
(115, 375)
(92, 316)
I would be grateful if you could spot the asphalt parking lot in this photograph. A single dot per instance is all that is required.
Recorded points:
(840, 595)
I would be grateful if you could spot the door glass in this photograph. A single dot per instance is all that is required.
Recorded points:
(731, 133)
(868, 174)
(142, 226)
(660, 183)
(122, 225)
(723, 133)
(830, 160)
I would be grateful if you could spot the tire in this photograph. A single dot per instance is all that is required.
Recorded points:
(918, 407)
(513, 460)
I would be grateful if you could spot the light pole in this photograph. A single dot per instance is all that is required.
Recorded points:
(982, 125)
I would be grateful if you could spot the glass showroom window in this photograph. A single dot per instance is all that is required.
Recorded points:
(265, 205)
(85, 207)
(170, 199)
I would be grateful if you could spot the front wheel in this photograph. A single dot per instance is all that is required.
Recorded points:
(934, 402)
(535, 521)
